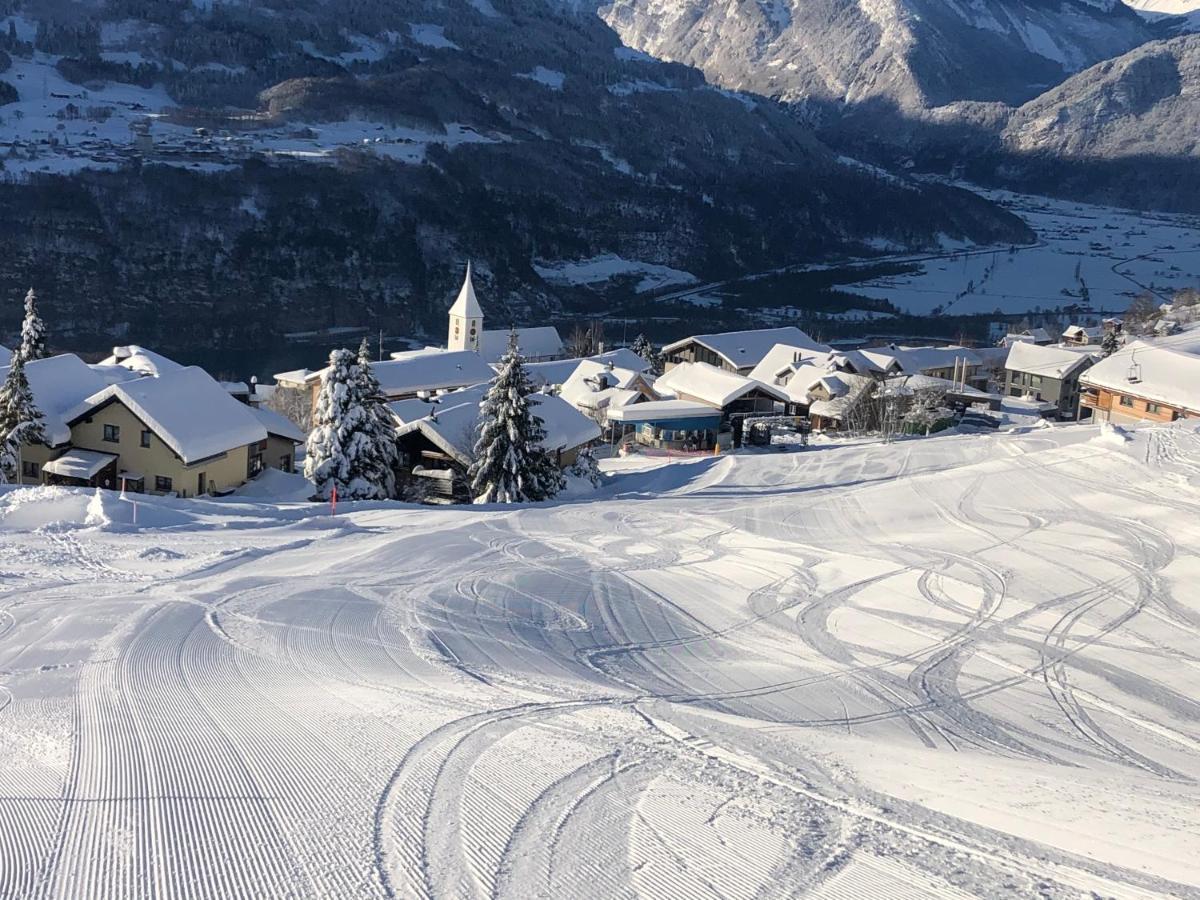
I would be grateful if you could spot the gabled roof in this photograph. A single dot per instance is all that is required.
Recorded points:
(1163, 374)
(467, 305)
(542, 340)
(591, 377)
(1077, 331)
(278, 425)
(664, 411)
(784, 359)
(59, 384)
(187, 409)
(559, 370)
(431, 369)
(452, 422)
(711, 385)
(1052, 362)
(746, 349)
(918, 359)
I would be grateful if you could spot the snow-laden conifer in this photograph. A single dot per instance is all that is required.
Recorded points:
(337, 443)
(381, 455)
(33, 332)
(511, 465)
(21, 422)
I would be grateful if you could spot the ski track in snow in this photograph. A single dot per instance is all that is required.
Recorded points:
(693, 689)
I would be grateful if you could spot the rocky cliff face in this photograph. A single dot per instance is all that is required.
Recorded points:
(1144, 103)
(914, 53)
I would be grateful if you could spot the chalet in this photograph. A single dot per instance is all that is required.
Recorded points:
(734, 395)
(436, 439)
(736, 351)
(1047, 375)
(595, 388)
(1144, 383)
(556, 372)
(831, 397)
(179, 432)
(1028, 336)
(953, 363)
(1083, 335)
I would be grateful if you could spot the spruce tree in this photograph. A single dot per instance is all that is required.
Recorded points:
(33, 332)
(511, 465)
(337, 446)
(643, 348)
(1110, 343)
(382, 460)
(20, 419)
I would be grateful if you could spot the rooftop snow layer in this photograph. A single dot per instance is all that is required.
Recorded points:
(717, 387)
(1163, 374)
(187, 409)
(276, 424)
(59, 384)
(426, 370)
(1040, 359)
(746, 349)
(140, 360)
(663, 411)
(453, 420)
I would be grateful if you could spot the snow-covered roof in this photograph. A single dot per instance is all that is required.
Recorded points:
(114, 374)
(409, 409)
(711, 385)
(293, 378)
(76, 463)
(783, 360)
(746, 349)
(607, 399)
(663, 411)
(591, 377)
(1163, 374)
(540, 341)
(557, 371)
(920, 359)
(426, 370)
(280, 426)
(466, 305)
(910, 384)
(1039, 359)
(59, 384)
(187, 409)
(452, 422)
(140, 360)
(1075, 332)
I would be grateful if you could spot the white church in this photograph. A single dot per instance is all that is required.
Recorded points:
(466, 332)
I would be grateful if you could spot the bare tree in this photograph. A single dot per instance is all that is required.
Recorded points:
(294, 404)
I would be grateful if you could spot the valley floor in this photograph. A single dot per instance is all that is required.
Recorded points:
(963, 666)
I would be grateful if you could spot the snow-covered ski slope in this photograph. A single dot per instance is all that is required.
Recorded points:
(963, 666)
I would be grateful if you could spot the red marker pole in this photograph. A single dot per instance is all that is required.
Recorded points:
(333, 501)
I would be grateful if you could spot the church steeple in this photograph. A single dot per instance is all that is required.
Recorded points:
(466, 318)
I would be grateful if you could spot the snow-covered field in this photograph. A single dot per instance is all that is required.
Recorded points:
(1115, 253)
(963, 666)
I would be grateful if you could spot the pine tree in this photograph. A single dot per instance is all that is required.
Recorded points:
(643, 348)
(381, 462)
(20, 420)
(585, 466)
(33, 332)
(1110, 343)
(339, 449)
(511, 465)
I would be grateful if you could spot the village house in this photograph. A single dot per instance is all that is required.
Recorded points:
(595, 388)
(952, 363)
(1144, 383)
(436, 439)
(556, 372)
(1083, 335)
(179, 432)
(734, 396)
(1047, 375)
(736, 351)
(1037, 335)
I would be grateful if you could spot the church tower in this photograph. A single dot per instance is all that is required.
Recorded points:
(466, 318)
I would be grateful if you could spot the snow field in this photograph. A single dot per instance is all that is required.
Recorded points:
(955, 667)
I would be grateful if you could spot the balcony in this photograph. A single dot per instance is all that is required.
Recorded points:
(1090, 399)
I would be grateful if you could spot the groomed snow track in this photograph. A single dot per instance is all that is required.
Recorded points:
(958, 667)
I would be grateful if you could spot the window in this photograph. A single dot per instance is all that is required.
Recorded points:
(29, 469)
(285, 463)
(163, 484)
(112, 434)
(146, 437)
(1127, 401)
(1035, 380)
(1152, 407)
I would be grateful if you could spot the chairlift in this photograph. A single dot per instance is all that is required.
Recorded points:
(1135, 372)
